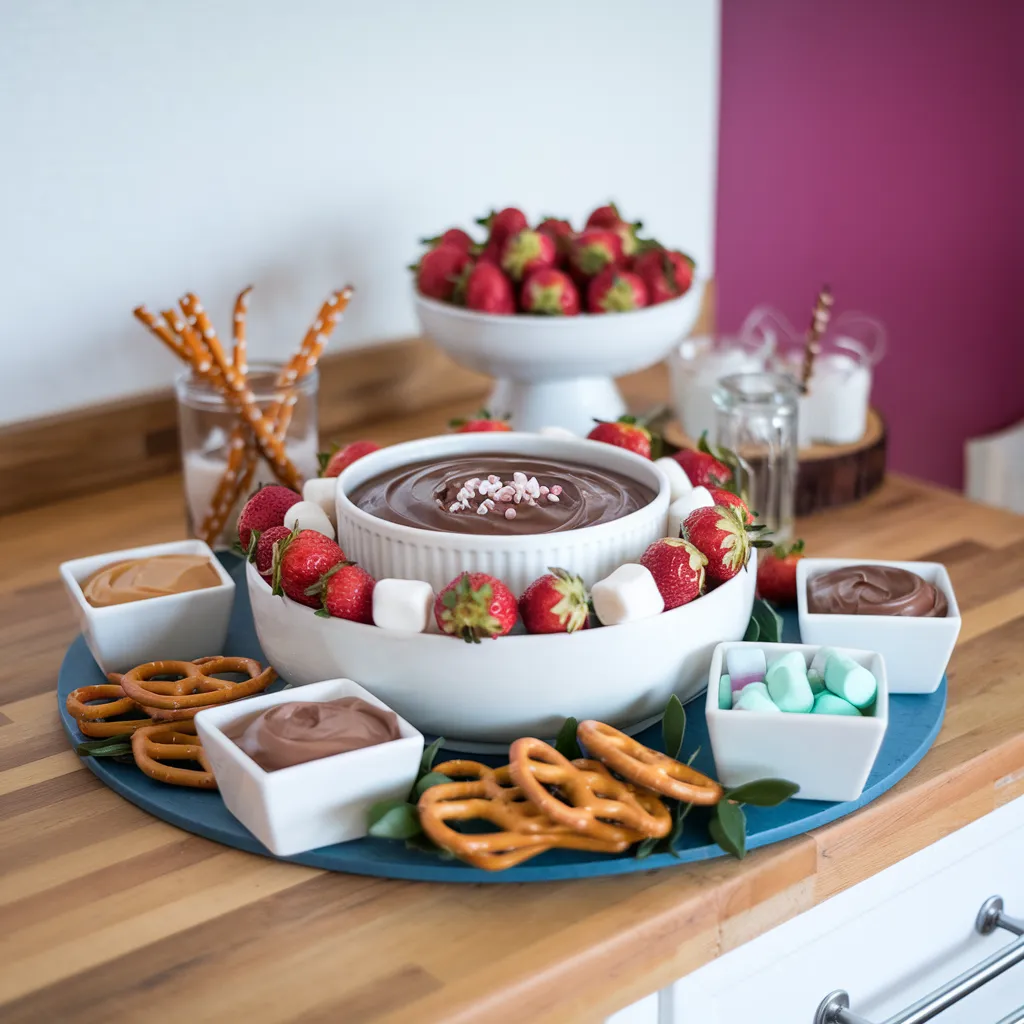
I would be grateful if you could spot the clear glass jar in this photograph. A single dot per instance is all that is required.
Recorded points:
(756, 417)
(205, 422)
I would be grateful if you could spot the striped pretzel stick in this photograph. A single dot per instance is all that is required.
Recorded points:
(167, 335)
(236, 390)
(238, 331)
(236, 480)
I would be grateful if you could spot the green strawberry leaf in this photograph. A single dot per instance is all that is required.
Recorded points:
(763, 792)
(728, 828)
(394, 819)
(673, 726)
(422, 843)
(753, 632)
(566, 743)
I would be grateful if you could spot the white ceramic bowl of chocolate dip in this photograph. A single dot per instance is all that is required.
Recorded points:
(592, 507)
(516, 685)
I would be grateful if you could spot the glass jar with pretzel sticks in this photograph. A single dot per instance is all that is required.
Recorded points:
(220, 463)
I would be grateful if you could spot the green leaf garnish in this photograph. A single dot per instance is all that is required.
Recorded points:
(728, 828)
(425, 782)
(394, 819)
(673, 726)
(646, 848)
(566, 743)
(753, 632)
(763, 792)
(108, 746)
(769, 621)
(429, 753)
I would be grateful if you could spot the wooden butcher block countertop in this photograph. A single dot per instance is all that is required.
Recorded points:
(111, 915)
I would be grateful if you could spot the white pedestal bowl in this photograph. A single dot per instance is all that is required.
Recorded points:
(519, 685)
(557, 371)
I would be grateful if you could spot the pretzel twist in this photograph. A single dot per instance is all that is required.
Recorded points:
(194, 689)
(648, 768)
(100, 720)
(238, 359)
(522, 832)
(154, 744)
(590, 799)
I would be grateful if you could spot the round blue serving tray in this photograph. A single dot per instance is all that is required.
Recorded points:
(914, 722)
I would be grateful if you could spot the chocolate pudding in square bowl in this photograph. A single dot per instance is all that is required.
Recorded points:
(511, 505)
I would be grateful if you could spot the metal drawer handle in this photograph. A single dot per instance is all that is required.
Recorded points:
(835, 1007)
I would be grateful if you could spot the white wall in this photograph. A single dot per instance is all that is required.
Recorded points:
(151, 147)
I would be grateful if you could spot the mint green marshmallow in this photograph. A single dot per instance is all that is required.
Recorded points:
(816, 681)
(829, 704)
(787, 684)
(853, 682)
(725, 693)
(754, 697)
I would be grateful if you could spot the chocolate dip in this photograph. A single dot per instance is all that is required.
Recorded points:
(137, 579)
(522, 495)
(874, 590)
(301, 731)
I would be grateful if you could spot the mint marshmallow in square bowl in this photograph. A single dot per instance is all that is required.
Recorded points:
(829, 755)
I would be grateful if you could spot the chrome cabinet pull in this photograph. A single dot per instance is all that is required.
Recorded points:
(835, 1007)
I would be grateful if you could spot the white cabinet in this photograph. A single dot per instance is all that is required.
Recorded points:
(887, 941)
(644, 1012)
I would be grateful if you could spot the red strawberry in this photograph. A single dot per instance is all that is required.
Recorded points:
(625, 432)
(475, 605)
(609, 218)
(491, 253)
(561, 231)
(551, 292)
(703, 469)
(616, 291)
(438, 271)
(667, 274)
(556, 603)
(527, 251)
(344, 457)
(266, 508)
(453, 236)
(776, 573)
(479, 423)
(723, 497)
(678, 569)
(500, 225)
(301, 559)
(486, 289)
(594, 250)
(720, 534)
(346, 591)
(263, 556)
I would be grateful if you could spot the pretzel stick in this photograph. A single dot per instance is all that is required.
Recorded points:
(235, 389)
(159, 328)
(238, 331)
(236, 482)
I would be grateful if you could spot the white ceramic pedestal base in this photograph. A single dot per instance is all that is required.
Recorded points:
(573, 404)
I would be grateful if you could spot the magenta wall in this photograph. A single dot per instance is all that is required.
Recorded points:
(878, 145)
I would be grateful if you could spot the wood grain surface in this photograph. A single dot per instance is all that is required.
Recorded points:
(110, 915)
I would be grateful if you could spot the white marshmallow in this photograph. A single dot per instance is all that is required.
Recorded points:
(308, 515)
(628, 594)
(321, 490)
(745, 665)
(405, 606)
(699, 497)
(559, 432)
(678, 482)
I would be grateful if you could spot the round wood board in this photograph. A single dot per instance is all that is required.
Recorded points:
(830, 475)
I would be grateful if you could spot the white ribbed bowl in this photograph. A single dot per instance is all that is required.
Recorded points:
(519, 685)
(391, 550)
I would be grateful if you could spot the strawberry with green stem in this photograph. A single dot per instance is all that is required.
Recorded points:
(608, 218)
(345, 591)
(550, 292)
(626, 432)
(667, 273)
(527, 251)
(615, 290)
(453, 236)
(555, 603)
(776, 573)
(479, 423)
(300, 560)
(721, 535)
(475, 606)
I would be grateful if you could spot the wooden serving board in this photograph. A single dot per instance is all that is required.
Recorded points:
(830, 475)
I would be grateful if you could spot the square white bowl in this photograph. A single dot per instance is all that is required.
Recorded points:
(916, 649)
(828, 756)
(316, 803)
(180, 627)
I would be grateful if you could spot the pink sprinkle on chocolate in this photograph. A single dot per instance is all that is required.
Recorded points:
(510, 513)
(556, 490)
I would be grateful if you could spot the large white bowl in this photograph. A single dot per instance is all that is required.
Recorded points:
(556, 371)
(391, 550)
(499, 690)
